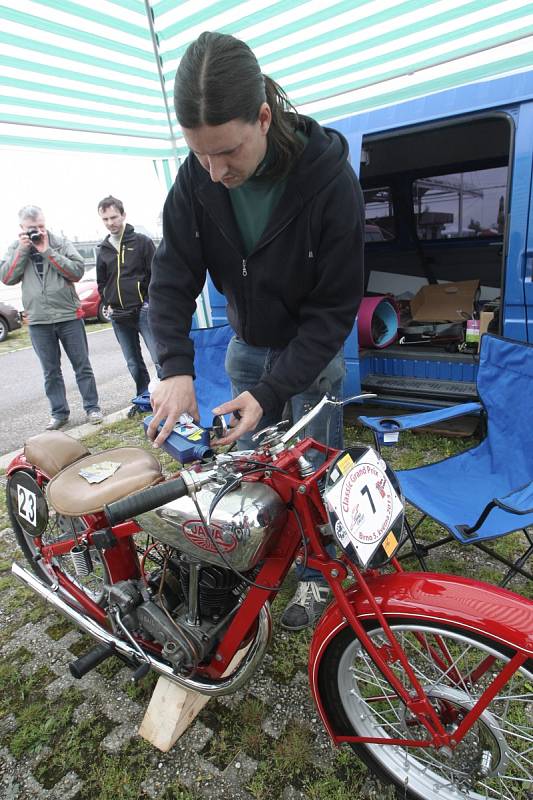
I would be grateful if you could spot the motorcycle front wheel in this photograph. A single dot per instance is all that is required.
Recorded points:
(454, 666)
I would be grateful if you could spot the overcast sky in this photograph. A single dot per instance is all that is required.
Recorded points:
(68, 187)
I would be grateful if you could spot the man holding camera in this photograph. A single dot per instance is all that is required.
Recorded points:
(47, 267)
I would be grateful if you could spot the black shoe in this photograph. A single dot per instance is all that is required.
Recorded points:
(309, 601)
(56, 423)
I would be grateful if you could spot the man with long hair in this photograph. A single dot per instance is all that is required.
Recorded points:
(268, 203)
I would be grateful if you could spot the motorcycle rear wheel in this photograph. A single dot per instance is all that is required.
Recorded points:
(494, 760)
(58, 528)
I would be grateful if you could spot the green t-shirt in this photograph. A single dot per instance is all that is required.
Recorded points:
(254, 202)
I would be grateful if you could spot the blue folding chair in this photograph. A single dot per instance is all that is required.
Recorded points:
(487, 491)
(212, 385)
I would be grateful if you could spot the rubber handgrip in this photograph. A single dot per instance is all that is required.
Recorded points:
(145, 500)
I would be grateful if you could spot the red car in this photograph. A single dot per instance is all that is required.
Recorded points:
(91, 304)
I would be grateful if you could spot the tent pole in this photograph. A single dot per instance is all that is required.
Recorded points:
(155, 45)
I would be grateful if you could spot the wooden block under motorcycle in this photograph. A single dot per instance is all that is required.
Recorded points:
(172, 709)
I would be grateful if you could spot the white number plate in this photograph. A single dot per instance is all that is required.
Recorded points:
(365, 504)
(27, 503)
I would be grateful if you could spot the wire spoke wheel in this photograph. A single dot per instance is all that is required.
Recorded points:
(494, 759)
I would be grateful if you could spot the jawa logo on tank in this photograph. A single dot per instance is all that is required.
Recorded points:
(195, 532)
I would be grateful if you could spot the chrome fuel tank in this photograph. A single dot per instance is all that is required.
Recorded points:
(242, 525)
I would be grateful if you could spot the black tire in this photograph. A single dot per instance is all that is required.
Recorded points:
(54, 528)
(4, 329)
(103, 314)
(359, 701)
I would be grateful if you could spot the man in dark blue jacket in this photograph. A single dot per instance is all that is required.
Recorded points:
(269, 204)
(123, 269)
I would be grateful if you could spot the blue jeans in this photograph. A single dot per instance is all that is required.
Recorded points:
(45, 340)
(246, 365)
(130, 344)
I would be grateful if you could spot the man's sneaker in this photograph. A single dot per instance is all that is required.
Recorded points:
(308, 603)
(56, 423)
(95, 417)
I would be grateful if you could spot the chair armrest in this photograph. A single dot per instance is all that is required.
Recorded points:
(519, 501)
(407, 421)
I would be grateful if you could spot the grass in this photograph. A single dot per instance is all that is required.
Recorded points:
(14, 690)
(235, 730)
(41, 722)
(16, 340)
(59, 628)
(106, 776)
(19, 339)
(291, 759)
(288, 651)
(341, 781)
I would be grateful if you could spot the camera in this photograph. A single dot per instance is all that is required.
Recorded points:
(34, 234)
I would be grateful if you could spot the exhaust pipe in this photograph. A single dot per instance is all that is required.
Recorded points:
(208, 686)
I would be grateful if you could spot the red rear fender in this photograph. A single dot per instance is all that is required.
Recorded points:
(18, 462)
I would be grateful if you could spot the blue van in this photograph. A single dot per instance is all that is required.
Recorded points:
(447, 182)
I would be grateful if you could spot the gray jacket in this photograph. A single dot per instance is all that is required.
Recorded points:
(54, 298)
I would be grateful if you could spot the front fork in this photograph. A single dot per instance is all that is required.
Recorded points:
(413, 696)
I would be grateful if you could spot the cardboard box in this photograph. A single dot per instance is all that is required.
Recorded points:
(444, 302)
(484, 319)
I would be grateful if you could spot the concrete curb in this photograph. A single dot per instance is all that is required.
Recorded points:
(76, 433)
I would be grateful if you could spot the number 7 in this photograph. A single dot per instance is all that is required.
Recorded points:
(366, 491)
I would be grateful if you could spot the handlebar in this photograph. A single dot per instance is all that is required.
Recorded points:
(189, 482)
(326, 401)
(145, 500)
(155, 496)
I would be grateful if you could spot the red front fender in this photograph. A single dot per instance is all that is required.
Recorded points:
(448, 599)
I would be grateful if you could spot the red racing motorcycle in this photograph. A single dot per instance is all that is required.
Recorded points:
(429, 677)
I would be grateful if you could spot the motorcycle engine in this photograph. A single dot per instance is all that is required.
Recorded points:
(187, 601)
(182, 607)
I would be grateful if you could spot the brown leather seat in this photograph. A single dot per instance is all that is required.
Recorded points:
(71, 494)
(52, 451)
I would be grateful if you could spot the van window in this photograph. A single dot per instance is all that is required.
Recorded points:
(379, 216)
(461, 204)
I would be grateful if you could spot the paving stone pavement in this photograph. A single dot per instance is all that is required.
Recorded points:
(104, 697)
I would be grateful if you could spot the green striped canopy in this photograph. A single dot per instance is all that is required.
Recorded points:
(98, 76)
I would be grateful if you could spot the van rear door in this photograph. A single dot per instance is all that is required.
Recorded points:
(518, 305)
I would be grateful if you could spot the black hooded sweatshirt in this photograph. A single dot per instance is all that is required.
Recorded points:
(298, 290)
(123, 277)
